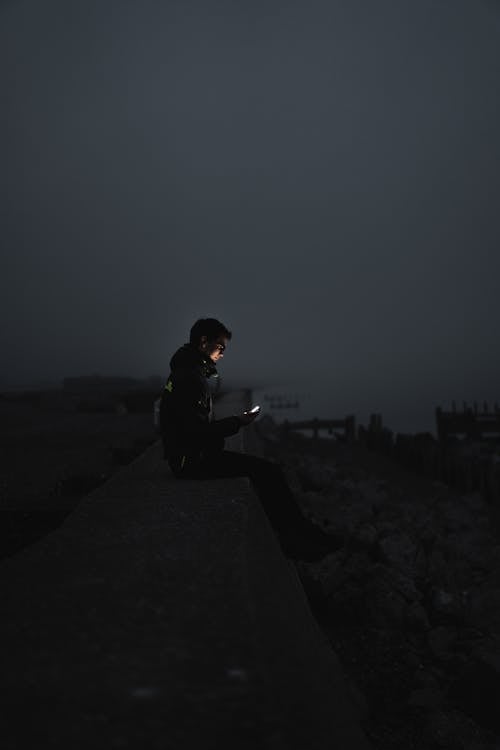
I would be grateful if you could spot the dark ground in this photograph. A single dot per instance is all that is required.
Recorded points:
(415, 690)
(51, 456)
(411, 696)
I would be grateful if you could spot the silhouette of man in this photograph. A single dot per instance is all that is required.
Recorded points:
(193, 441)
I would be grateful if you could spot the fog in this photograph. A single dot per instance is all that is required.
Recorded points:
(322, 177)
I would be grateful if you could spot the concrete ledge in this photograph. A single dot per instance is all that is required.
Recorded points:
(162, 614)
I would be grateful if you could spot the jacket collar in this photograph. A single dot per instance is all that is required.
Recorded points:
(209, 369)
(189, 355)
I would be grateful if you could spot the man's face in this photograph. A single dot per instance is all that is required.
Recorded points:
(215, 348)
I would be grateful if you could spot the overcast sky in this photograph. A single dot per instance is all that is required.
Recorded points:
(322, 176)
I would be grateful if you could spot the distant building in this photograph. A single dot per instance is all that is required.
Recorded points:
(100, 384)
(96, 393)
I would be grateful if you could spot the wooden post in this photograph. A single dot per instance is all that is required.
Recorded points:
(483, 474)
(468, 479)
(496, 487)
(475, 474)
(494, 484)
(285, 429)
(350, 428)
(439, 424)
(315, 428)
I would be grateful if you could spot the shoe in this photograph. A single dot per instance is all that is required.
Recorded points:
(308, 543)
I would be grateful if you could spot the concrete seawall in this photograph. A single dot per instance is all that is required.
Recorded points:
(162, 614)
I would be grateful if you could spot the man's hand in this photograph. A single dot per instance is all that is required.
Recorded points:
(247, 417)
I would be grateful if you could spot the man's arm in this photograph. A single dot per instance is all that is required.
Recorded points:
(194, 417)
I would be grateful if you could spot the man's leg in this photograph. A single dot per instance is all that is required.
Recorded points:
(300, 539)
(267, 477)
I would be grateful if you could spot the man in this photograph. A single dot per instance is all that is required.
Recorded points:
(193, 441)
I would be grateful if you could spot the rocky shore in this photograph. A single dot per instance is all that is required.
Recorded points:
(411, 599)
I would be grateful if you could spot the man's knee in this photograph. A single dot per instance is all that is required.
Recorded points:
(267, 471)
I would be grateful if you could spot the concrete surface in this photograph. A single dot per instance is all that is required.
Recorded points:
(162, 614)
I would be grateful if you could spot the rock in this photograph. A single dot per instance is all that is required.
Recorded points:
(484, 609)
(442, 599)
(475, 503)
(401, 583)
(440, 642)
(437, 567)
(420, 564)
(345, 582)
(427, 537)
(450, 730)
(365, 535)
(341, 570)
(416, 617)
(469, 448)
(453, 515)
(309, 500)
(359, 701)
(426, 697)
(468, 641)
(438, 485)
(488, 653)
(473, 548)
(476, 690)
(387, 528)
(390, 600)
(373, 492)
(314, 475)
(387, 607)
(399, 551)
(425, 679)
(341, 515)
(412, 655)
(446, 605)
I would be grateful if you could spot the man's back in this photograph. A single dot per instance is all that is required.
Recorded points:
(186, 416)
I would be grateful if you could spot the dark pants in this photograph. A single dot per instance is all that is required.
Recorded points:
(267, 478)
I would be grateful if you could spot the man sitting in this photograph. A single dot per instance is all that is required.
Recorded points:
(193, 441)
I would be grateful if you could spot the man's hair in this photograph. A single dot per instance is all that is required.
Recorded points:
(209, 327)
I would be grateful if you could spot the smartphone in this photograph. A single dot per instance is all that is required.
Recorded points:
(254, 409)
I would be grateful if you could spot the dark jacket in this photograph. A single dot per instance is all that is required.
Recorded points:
(187, 426)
